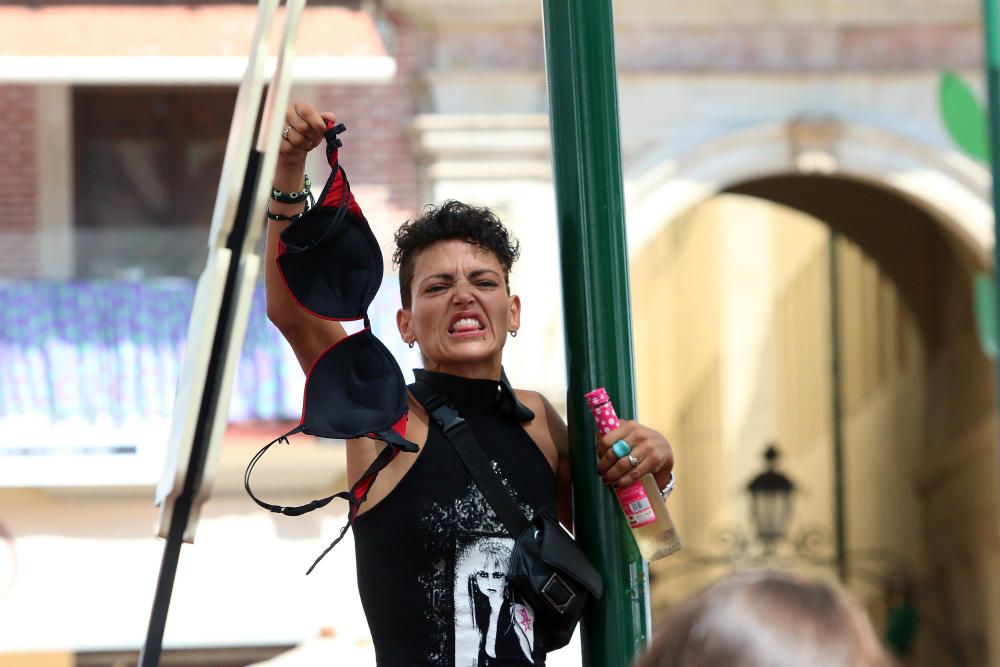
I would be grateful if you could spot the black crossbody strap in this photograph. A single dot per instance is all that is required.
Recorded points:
(479, 466)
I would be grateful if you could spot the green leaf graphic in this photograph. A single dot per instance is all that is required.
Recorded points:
(964, 116)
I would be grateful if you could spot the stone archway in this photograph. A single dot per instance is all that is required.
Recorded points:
(934, 418)
(949, 186)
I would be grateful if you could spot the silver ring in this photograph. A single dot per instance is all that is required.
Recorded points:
(284, 132)
(632, 460)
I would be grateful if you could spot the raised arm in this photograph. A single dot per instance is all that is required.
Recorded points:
(308, 336)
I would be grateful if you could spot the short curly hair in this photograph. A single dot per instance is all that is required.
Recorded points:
(448, 221)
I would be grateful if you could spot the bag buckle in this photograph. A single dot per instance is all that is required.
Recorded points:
(558, 593)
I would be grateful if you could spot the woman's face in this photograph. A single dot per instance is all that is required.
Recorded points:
(492, 581)
(460, 312)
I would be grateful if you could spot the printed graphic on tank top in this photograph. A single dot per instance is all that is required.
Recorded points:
(488, 624)
(433, 557)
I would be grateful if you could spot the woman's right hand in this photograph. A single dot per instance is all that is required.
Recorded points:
(309, 336)
(307, 126)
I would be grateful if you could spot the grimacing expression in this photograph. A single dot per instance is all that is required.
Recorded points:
(461, 311)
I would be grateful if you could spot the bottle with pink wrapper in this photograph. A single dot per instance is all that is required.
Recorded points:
(641, 501)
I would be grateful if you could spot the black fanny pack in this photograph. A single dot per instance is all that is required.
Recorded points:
(548, 571)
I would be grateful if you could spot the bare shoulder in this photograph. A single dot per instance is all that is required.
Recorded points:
(532, 400)
(548, 425)
(415, 409)
(549, 432)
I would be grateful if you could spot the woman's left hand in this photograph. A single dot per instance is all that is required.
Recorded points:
(652, 451)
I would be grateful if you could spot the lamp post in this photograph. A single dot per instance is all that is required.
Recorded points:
(770, 502)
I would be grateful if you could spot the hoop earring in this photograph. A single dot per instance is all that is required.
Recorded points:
(513, 334)
(410, 344)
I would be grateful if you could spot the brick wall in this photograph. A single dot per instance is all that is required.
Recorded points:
(488, 47)
(377, 153)
(804, 48)
(19, 182)
(821, 46)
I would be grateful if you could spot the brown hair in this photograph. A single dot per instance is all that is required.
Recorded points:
(767, 619)
(477, 225)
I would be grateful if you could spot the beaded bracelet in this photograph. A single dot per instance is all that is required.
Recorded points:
(284, 218)
(305, 194)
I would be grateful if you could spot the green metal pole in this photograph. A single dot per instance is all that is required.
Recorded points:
(583, 103)
(837, 411)
(990, 17)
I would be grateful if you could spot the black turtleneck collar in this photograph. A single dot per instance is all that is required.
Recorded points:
(476, 396)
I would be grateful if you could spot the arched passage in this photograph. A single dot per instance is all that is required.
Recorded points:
(729, 371)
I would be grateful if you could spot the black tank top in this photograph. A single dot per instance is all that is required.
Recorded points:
(432, 556)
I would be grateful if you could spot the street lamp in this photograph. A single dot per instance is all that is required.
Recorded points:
(770, 502)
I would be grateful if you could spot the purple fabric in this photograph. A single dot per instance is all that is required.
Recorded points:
(111, 350)
(114, 349)
(89, 370)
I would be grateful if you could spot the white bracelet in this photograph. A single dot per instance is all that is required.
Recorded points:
(668, 487)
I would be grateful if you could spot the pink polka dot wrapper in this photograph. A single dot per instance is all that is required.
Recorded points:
(603, 411)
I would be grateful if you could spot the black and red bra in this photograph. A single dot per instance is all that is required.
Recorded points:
(332, 266)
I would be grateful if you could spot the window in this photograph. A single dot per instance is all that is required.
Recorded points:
(147, 166)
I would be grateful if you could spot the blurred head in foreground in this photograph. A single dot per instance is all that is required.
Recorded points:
(766, 619)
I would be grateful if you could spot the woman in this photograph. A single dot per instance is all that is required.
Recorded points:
(502, 623)
(454, 267)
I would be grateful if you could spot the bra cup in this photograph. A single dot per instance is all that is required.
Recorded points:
(333, 271)
(339, 397)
